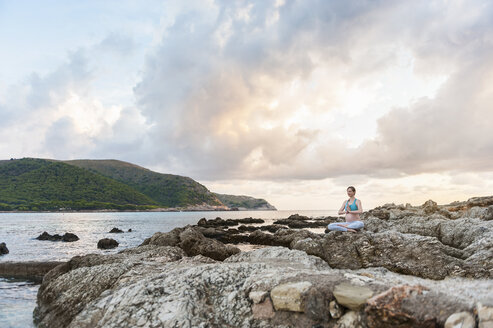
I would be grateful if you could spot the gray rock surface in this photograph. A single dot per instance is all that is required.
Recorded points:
(159, 286)
(421, 266)
(431, 241)
(193, 242)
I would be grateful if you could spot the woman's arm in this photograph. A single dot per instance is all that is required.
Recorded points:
(358, 205)
(342, 210)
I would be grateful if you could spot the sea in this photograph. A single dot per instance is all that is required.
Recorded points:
(19, 232)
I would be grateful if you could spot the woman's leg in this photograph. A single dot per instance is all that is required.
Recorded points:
(336, 227)
(356, 225)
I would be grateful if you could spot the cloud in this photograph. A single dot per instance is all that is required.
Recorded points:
(256, 89)
(280, 90)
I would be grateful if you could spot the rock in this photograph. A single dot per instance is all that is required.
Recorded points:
(272, 227)
(160, 286)
(116, 230)
(485, 316)
(412, 254)
(335, 310)
(298, 217)
(250, 220)
(488, 214)
(47, 236)
(107, 243)
(129, 230)
(217, 222)
(430, 207)
(69, 287)
(31, 270)
(202, 222)
(351, 296)
(194, 243)
(411, 306)
(258, 297)
(263, 310)
(460, 320)
(350, 320)
(69, 237)
(3, 249)
(171, 238)
(289, 297)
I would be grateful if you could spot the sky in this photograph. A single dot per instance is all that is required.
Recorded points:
(290, 101)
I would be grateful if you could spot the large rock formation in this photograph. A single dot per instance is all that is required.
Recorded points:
(159, 286)
(391, 274)
(428, 241)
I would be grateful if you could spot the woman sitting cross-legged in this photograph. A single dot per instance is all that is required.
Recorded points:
(352, 209)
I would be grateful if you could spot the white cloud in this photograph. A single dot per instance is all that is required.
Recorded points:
(326, 91)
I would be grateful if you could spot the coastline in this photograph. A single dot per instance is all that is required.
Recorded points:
(438, 252)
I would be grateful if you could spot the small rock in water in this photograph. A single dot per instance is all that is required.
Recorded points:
(3, 249)
(107, 243)
(129, 230)
(116, 230)
(47, 236)
(67, 237)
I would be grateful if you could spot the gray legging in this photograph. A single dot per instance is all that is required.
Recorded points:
(356, 225)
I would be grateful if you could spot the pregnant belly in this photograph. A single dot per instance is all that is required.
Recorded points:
(351, 217)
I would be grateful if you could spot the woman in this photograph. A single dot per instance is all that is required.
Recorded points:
(352, 209)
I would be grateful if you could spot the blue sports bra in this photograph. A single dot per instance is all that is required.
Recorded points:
(352, 206)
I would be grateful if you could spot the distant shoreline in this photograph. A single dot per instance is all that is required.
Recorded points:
(136, 211)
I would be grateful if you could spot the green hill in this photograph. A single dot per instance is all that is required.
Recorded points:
(245, 202)
(38, 184)
(167, 190)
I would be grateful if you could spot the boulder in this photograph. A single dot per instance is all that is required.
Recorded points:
(3, 249)
(116, 230)
(290, 296)
(410, 306)
(217, 222)
(67, 237)
(193, 242)
(107, 243)
(159, 286)
(47, 236)
(485, 316)
(335, 310)
(460, 320)
(352, 297)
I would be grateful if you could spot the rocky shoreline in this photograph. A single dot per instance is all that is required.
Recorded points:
(423, 266)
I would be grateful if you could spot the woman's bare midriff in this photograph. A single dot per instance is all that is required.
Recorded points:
(351, 217)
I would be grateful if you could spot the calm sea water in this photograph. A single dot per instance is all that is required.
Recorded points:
(19, 230)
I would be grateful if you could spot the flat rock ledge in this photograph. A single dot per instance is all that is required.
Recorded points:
(31, 270)
(160, 286)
